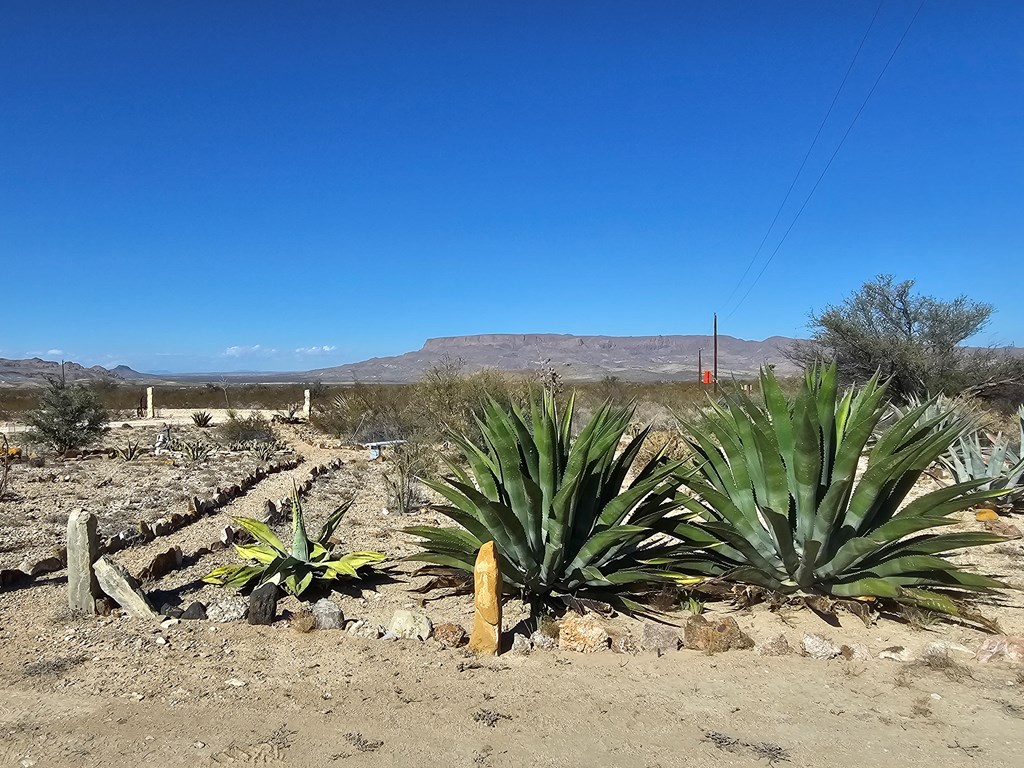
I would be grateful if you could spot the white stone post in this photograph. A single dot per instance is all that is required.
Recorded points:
(306, 404)
(150, 409)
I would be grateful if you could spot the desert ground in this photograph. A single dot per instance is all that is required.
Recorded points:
(118, 691)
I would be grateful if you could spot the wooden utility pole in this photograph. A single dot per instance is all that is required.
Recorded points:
(715, 380)
(700, 366)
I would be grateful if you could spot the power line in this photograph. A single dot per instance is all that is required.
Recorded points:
(803, 162)
(833, 157)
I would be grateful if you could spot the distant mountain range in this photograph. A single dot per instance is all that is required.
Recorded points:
(576, 358)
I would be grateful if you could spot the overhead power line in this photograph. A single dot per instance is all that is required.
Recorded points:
(807, 154)
(833, 157)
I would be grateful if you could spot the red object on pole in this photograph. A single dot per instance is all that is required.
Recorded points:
(707, 377)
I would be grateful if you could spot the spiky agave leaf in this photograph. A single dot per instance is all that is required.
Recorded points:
(563, 519)
(779, 506)
(296, 568)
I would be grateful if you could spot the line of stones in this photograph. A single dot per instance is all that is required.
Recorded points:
(93, 575)
(145, 532)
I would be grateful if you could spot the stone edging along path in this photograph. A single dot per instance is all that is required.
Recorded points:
(197, 509)
(214, 535)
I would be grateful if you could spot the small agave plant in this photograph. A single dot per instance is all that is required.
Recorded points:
(294, 569)
(997, 465)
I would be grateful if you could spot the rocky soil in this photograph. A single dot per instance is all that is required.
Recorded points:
(748, 687)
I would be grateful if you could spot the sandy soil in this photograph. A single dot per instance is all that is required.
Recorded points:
(113, 691)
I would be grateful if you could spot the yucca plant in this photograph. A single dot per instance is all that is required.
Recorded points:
(196, 451)
(294, 569)
(202, 419)
(567, 526)
(997, 466)
(130, 452)
(780, 506)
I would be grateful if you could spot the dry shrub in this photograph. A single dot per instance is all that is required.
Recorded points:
(303, 621)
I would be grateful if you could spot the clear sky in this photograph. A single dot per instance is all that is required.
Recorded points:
(273, 186)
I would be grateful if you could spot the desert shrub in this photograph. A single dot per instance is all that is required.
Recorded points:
(406, 464)
(780, 507)
(295, 568)
(366, 413)
(241, 429)
(916, 342)
(195, 451)
(565, 525)
(68, 416)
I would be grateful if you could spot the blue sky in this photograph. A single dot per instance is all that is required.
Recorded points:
(274, 186)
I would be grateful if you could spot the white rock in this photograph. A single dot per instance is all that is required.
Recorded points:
(407, 625)
(521, 645)
(228, 609)
(819, 647)
(234, 682)
(543, 641)
(897, 653)
(327, 614)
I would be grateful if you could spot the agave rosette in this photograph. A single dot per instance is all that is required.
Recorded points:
(565, 523)
(294, 569)
(780, 505)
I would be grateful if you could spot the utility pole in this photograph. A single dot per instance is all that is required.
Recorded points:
(716, 355)
(700, 366)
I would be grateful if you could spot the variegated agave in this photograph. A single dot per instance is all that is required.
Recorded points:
(293, 569)
(566, 524)
(780, 505)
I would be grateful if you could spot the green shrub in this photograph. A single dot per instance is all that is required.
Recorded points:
(68, 416)
(566, 525)
(242, 429)
(780, 506)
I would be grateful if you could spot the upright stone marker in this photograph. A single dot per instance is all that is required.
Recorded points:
(486, 635)
(150, 409)
(306, 404)
(83, 550)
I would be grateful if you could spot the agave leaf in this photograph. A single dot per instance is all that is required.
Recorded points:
(261, 532)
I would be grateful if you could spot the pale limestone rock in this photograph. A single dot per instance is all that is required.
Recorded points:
(583, 634)
(119, 585)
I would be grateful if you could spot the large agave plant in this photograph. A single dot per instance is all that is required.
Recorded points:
(780, 506)
(294, 568)
(566, 523)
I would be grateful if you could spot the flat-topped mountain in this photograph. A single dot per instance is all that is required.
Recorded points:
(577, 358)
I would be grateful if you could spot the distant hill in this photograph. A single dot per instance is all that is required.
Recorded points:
(36, 371)
(577, 358)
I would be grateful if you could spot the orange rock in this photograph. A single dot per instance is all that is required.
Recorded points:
(486, 635)
(984, 515)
